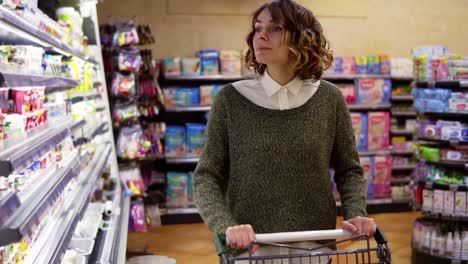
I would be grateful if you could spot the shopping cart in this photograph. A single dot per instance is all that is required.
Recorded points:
(321, 254)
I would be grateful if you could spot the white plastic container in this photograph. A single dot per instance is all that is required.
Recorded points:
(83, 247)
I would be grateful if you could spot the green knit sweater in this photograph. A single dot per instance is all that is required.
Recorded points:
(270, 168)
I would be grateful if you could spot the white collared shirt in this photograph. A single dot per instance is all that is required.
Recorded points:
(267, 93)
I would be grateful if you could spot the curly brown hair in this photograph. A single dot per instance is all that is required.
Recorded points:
(304, 36)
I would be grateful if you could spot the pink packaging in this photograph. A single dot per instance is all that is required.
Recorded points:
(348, 66)
(38, 98)
(22, 98)
(378, 131)
(4, 92)
(382, 176)
(366, 164)
(349, 92)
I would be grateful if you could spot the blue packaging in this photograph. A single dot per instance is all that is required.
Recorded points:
(190, 195)
(359, 122)
(419, 104)
(434, 105)
(338, 65)
(177, 190)
(373, 65)
(464, 134)
(367, 165)
(188, 96)
(209, 60)
(195, 139)
(175, 141)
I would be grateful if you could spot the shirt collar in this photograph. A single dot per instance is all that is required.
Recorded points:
(271, 86)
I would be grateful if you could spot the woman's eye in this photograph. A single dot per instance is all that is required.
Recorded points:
(278, 29)
(258, 29)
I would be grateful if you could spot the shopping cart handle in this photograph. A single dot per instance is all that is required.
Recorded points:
(221, 241)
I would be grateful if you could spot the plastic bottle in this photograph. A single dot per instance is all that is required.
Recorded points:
(426, 245)
(457, 245)
(434, 243)
(441, 244)
(464, 253)
(449, 245)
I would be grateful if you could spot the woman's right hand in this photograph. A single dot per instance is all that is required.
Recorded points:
(241, 236)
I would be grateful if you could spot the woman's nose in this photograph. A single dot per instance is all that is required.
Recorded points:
(263, 35)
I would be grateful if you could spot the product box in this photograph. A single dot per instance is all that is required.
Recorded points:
(349, 92)
(348, 66)
(190, 194)
(385, 64)
(361, 65)
(208, 93)
(460, 203)
(367, 165)
(373, 64)
(230, 62)
(438, 201)
(378, 131)
(177, 190)
(449, 202)
(209, 60)
(171, 66)
(175, 141)
(359, 122)
(382, 176)
(427, 200)
(181, 96)
(195, 139)
(374, 91)
(191, 66)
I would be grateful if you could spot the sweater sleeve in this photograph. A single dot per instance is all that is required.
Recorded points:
(349, 176)
(211, 174)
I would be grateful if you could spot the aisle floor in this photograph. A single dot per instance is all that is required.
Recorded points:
(193, 243)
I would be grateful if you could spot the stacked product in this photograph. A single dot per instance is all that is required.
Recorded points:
(435, 63)
(206, 62)
(379, 65)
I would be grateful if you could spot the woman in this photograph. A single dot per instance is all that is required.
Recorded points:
(271, 141)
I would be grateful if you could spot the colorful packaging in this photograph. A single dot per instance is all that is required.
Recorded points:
(138, 218)
(195, 139)
(438, 201)
(181, 97)
(4, 99)
(382, 176)
(123, 85)
(22, 97)
(449, 202)
(373, 91)
(378, 131)
(190, 195)
(349, 92)
(373, 64)
(191, 66)
(208, 93)
(230, 62)
(385, 64)
(452, 155)
(129, 59)
(209, 61)
(175, 141)
(361, 65)
(348, 66)
(422, 68)
(367, 164)
(177, 190)
(359, 121)
(427, 200)
(440, 69)
(429, 154)
(460, 203)
(171, 66)
(338, 62)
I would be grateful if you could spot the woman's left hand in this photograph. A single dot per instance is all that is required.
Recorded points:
(360, 226)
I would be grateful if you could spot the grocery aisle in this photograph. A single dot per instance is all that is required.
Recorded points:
(192, 243)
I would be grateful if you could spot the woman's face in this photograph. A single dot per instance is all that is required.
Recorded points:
(269, 41)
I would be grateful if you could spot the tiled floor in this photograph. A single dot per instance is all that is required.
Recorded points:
(193, 243)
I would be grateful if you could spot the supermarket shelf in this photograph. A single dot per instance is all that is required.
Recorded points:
(354, 76)
(78, 97)
(361, 107)
(387, 205)
(182, 160)
(218, 77)
(73, 209)
(457, 84)
(459, 165)
(402, 152)
(448, 115)
(420, 257)
(16, 30)
(402, 98)
(20, 80)
(121, 242)
(189, 109)
(27, 215)
(441, 186)
(403, 114)
(77, 125)
(401, 132)
(451, 142)
(9, 202)
(444, 217)
(403, 167)
(374, 153)
(16, 153)
(402, 78)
